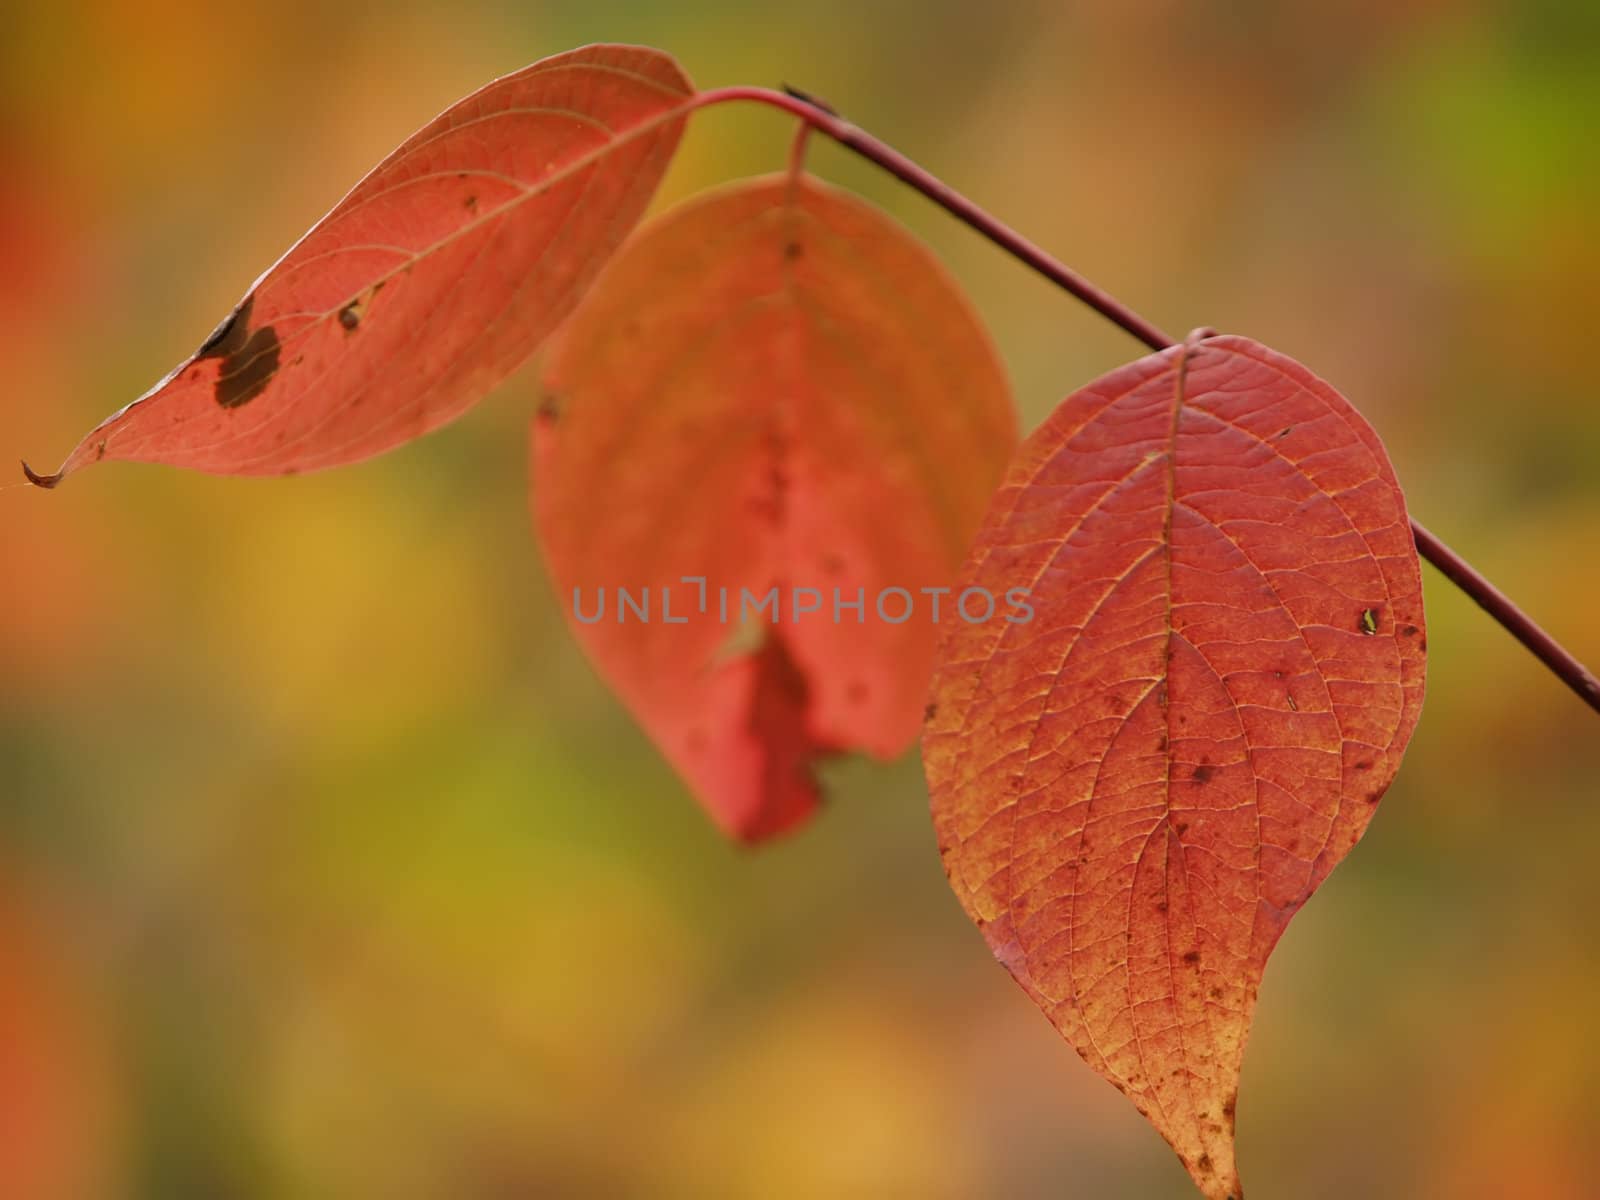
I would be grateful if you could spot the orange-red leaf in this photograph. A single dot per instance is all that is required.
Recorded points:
(434, 278)
(1135, 791)
(771, 386)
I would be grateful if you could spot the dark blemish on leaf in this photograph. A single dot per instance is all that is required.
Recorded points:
(470, 204)
(1192, 957)
(1369, 620)
(1374, 797)
(99, 450)
(1181, 828)
(1286, 431)
(239, 319)
(1423, 644)
(1161, 744)
(350, 316)
(1408, 631)
(1161, 695)
(1216, 994)
(1203, 773)
(1229, 1106)
(249, 359)
(1364, 765)
(1161, 906)
(793, 250)
(930, 712)
(1203, 1164)
(549, 410)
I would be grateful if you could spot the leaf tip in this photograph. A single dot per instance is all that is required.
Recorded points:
(41, 481)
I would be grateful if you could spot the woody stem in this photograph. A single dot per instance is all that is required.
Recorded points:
(1454, 568)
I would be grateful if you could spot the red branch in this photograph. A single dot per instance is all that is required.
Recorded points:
(1456, 569)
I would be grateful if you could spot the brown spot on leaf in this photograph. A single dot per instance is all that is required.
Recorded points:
(1192, 957)
(793, 250)
(249, 359)
(230, 334)
(350, 316)
(930, 712)
(1203, 773)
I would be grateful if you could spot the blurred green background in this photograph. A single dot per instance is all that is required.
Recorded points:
(329, 869)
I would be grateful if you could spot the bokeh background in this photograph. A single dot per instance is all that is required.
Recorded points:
(329, 869)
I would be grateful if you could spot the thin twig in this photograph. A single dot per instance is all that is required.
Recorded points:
(1500, 606)
(1455, 568)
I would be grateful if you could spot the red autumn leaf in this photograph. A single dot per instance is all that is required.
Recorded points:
(438, 275)
(1136, 790)
(773, 386)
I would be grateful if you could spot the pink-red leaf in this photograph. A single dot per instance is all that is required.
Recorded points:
(434, 278)
(1135, 791)
(773, 386)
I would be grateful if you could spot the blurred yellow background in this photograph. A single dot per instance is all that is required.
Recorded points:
(329, 869)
